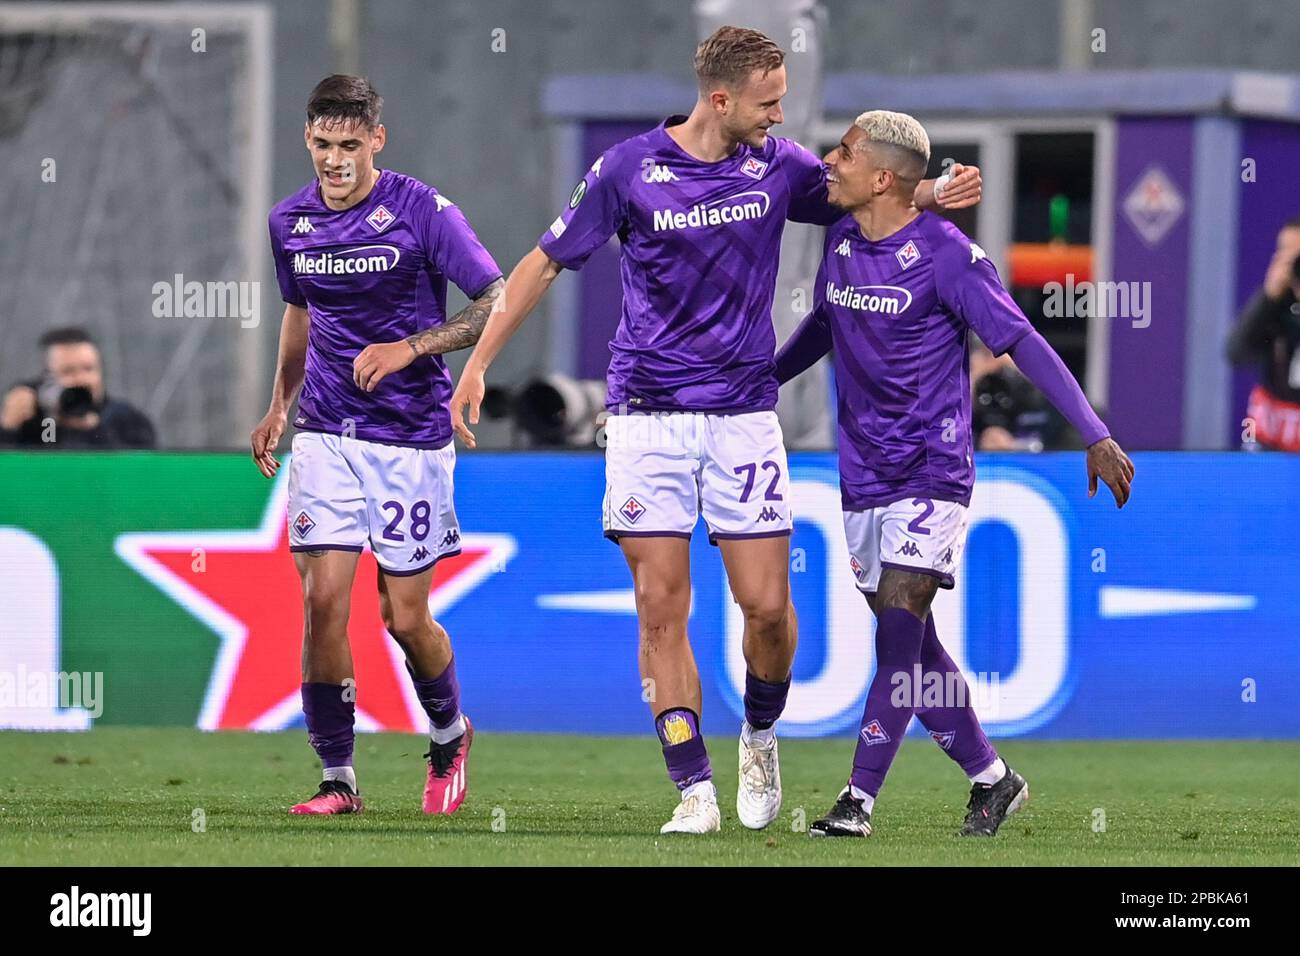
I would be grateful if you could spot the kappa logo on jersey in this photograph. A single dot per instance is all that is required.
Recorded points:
(442, 202)
(632, 510)
(652, 172)
(873, 734)
(303, 225)
(843, 248)
(753, 168)
(381, 218)
(595, 167)
(909, 550)
(976, 253)
(353, 261)
(451, 537)
(769, 514)
(741, 207)
(943, 739)
(908, 254)
(886, 299)
(420, 554)
(303, 524)
(859, 571)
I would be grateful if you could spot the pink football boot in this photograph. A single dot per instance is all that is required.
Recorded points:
(334, 796)
(444, 789)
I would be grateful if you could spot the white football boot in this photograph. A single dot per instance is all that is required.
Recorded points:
(697, 813)
(758, 799)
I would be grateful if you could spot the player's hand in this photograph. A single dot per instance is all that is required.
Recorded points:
(964, 189)
(1107, 461)
(469, 392)
(375, 362)
(264, 439)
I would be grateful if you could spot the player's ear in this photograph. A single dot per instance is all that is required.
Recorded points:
(306, 134)
(719, 99)
(379, 137)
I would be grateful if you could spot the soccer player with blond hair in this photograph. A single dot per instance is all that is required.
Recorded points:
(699, 204)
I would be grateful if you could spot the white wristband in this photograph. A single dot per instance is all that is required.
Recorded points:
(941, 183)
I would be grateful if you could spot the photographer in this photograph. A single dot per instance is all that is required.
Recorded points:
(1007, 412)
(67, 408)
(1268, 333)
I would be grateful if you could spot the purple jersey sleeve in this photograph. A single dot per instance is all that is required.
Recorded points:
(969, 286)
(597, 209)
(454, 249)
(1042, 366)
(289, 290)
(807, 177)
(810, 341)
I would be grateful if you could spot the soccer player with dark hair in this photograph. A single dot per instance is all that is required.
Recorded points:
(363, 256)
(699, 204)
(895, 295)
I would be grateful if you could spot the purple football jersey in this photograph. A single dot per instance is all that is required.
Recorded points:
(896, 312)
(700, 246)
(370, 274)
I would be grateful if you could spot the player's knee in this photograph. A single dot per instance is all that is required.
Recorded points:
(405, 622)
(765, 615)
(325, 614)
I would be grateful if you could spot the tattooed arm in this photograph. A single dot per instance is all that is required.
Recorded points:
(375, 362)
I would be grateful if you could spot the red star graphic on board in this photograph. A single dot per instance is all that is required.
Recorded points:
(243, 585)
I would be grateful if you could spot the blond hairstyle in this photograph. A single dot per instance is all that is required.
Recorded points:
(731, 54)
(901, 131)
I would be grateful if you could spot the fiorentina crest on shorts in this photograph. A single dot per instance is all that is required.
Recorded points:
(908, 254)
(632, 510)
(753, 168)
(303, 524)
(859, 571)
(944, 739)
(873, 733)
(380, 219)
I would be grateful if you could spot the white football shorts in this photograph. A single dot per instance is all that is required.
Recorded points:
(345, 494)
(912, 534)
(663, 469)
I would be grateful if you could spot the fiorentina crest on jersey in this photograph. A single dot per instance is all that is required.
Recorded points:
(380, 219)
(753, 168)
(873, 733)
(908, 254)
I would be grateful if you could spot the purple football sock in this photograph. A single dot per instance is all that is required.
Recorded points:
(684, 751)
(899, 635)
(764, 701)
(954, 728)
(330, 717)
(439, 696)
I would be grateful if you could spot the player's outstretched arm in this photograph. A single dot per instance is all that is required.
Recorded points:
(809, 342)
(290, 367)
(1106, 460)
(960, 187)
(374, 363)
(525, 287)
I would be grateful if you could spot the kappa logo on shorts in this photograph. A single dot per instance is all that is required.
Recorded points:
(873, 734)
(420, 554)
(632, 510)
(947, 556)
(451, 537)
(910, 550)
(859, 571)
(944, 739)
(769, 514)
(303, 524)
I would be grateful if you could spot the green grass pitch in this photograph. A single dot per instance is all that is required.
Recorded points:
(119, 796)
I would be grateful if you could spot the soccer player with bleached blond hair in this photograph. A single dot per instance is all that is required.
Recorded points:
(699, 204)
(897, 290)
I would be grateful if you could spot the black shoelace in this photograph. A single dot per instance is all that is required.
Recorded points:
(442, 756)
